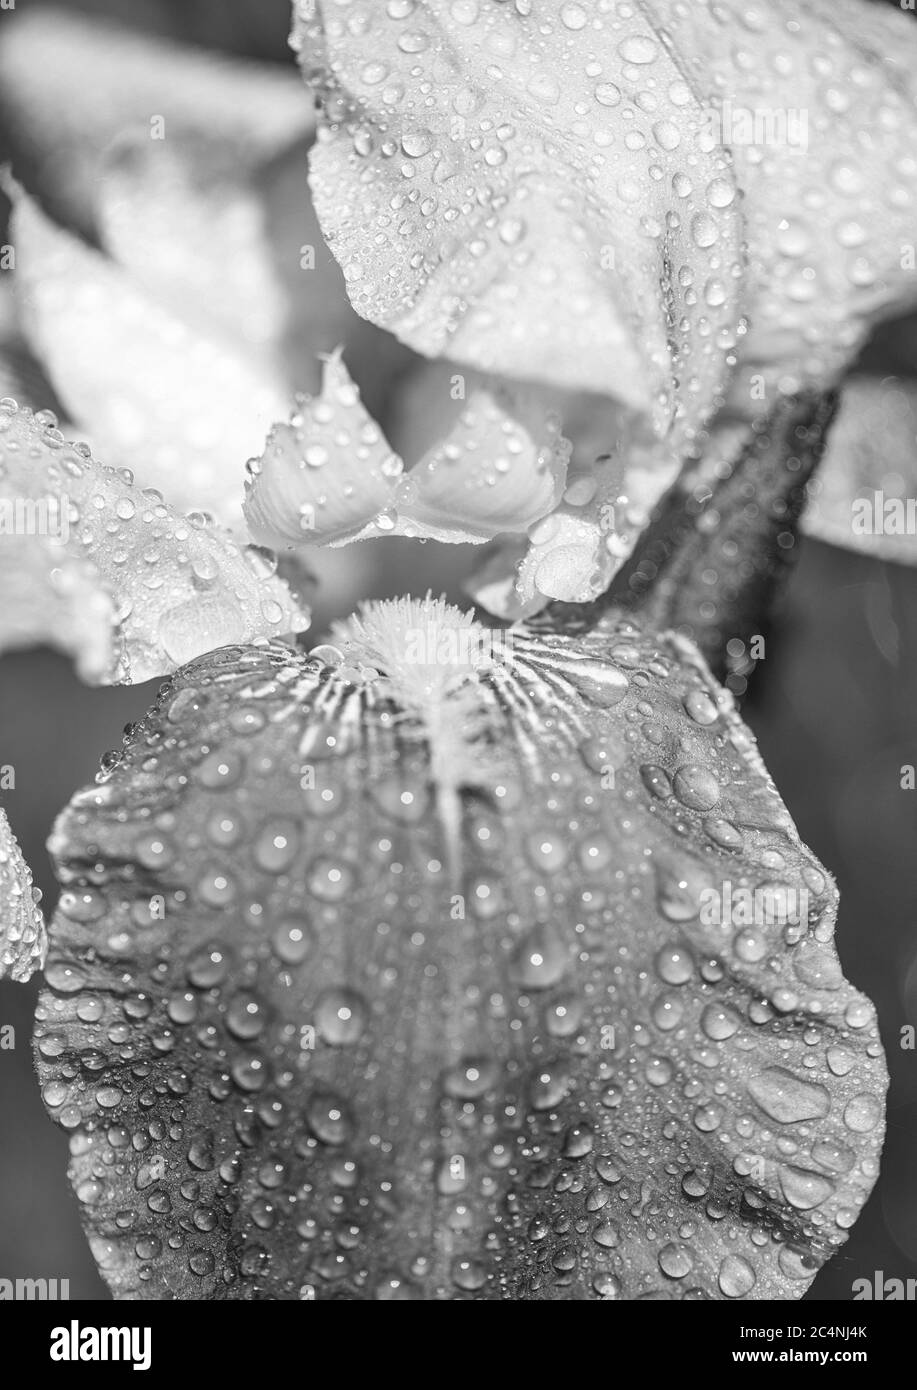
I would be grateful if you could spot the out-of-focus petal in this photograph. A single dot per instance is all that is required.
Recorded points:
(23, 942)
(55, 602)
(70, 85)
(534, 194)
(576, 1070)
(20, 375)
(330, 476)
(493, 583)
(182, 409)
(98, 547)
(186, 220)
(864, 496)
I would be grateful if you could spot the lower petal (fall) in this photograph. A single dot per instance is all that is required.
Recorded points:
(606, 1051)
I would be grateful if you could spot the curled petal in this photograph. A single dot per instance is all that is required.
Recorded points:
(330, 476)
(168, 587)
(23, 942)
(474, 180)
(610, 1055)
(500, 468)
(864, 496)
(326, 475)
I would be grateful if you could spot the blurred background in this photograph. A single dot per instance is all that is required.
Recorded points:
(833, 704)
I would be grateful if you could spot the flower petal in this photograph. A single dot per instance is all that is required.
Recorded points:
(53, 64)
(864, 496)
(330, 476)
(20, 375)
(718, 542)
(147, 408)
(325, 476)
(819, 110)
(501, 468)
(492, 586)
(186, 219)
(321, 1067)
(166, 587)
(574, 552)
(566, 560)
(52, 604)
(531, 196)
(23, 942)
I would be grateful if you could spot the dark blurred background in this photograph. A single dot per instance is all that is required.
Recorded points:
(833, 705)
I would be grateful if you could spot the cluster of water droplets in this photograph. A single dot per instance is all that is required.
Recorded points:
(159, 588)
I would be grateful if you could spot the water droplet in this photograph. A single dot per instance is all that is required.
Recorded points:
(292, 940)
(696, 787)
(548, 1086)
(328, 1118)
(675, 1261)
(540, 960)
(863, 1113)
(340, 1016)
(736, 1277)
(787, 1098)
(277, 845)
(804, 1190)
(674, 964)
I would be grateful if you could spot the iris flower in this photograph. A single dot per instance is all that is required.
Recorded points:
(454, 960)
